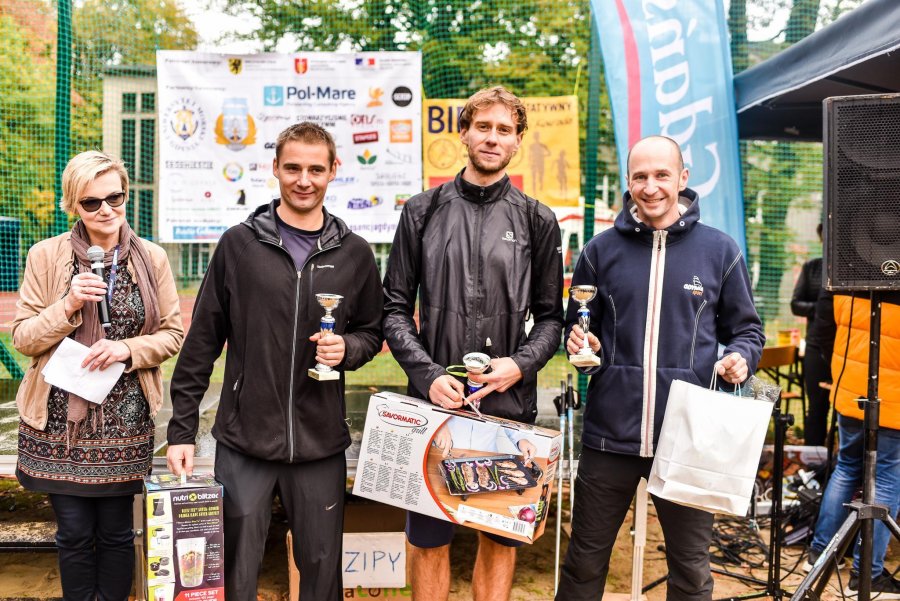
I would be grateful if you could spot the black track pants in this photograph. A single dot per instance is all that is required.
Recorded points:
(604, 489)
(313, 497)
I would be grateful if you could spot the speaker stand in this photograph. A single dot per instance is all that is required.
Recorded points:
(862, 515)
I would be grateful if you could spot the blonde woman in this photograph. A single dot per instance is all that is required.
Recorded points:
(90, 458)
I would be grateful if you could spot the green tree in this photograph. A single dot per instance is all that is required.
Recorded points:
(122, 32)
(26, 128)
(105, 34)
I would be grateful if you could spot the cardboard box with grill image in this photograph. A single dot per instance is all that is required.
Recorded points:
(487, 473)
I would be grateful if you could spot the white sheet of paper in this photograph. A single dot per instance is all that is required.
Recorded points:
(64, 370)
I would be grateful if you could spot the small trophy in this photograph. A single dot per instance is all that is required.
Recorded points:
(475, 363)
(585, 357)
(329, 302)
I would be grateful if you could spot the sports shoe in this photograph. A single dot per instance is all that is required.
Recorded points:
(883, 587)
(812, 556)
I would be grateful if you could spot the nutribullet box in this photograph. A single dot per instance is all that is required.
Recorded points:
(185, 543)
(458, 466)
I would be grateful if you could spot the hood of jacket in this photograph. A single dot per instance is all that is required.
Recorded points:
(262, 221)
(629, 225)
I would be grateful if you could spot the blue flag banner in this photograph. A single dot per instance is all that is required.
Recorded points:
(668, 69)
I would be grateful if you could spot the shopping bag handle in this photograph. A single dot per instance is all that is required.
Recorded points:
(712, 382)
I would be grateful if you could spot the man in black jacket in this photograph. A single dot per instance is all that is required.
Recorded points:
(276, 426)
(482, 256)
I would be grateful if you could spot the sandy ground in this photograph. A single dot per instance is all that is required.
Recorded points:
(35, 575)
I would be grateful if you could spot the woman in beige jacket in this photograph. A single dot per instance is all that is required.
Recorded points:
(91, 458)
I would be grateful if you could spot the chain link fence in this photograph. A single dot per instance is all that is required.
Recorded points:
(81, 75)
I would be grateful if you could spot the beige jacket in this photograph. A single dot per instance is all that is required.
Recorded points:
(41, 324)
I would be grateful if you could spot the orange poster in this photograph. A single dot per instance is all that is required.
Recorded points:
(547, 165)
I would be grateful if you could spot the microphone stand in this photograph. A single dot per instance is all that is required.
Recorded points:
(772, 583)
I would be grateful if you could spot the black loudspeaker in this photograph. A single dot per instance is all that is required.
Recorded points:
(862, 192)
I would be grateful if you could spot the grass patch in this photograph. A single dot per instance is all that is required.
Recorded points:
(22, 360)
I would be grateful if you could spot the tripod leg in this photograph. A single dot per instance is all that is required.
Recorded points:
(640, 540)
(870, 444)
(781, 420)
(570, 416)
(892, 526)
(814, 583)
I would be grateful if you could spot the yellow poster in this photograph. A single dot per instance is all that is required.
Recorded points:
(546, 167)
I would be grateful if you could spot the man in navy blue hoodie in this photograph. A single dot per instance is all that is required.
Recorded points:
(670, 290)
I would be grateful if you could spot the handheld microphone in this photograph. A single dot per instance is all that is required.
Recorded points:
(95, 256)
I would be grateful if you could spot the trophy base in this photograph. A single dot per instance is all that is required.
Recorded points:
(323, 376)
(585, 360)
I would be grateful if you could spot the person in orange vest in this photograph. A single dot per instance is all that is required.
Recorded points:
(850, 371)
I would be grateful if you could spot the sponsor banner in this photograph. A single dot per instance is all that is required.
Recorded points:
(220, 117)
(546, 166)
(668, 70)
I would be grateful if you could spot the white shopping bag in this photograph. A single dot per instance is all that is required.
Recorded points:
(709, 449)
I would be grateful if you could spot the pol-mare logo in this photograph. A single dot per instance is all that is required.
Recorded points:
(185, 124)
(399, 417)
(696, 287)
(273, 96)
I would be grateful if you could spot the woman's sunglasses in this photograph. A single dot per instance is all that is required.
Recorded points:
(92, 205)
